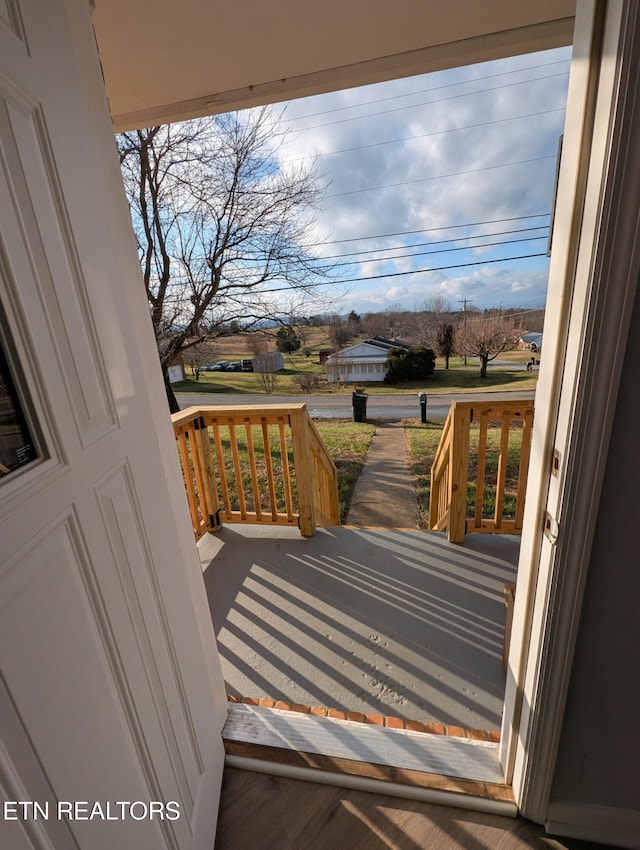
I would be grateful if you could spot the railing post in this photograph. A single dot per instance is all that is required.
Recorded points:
(302, 465)
(204, 458)
(459, 460)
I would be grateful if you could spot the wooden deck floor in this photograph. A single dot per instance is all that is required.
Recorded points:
(265, 812)
(395, 622)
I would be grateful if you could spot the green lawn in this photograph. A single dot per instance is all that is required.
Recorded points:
(347, 443)
(456, 379)
(423, 443)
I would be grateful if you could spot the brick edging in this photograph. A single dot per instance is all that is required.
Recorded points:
(389, 721)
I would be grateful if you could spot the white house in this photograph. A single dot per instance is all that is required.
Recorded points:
(362, 362)
(530, 342)
(111, 685)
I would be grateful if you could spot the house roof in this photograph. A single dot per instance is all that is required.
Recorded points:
(165, 61)
(367, 351)
(387, 344)
(532, 337)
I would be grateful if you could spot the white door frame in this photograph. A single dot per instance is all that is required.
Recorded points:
(594, 272)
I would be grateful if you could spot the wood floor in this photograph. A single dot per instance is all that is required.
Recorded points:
(265, 812)
(379, 621)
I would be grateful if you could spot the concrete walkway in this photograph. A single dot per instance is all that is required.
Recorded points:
(384, 496)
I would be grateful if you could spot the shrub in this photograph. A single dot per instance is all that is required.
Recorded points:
(413, 365)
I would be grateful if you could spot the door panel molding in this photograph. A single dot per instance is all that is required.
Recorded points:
(132, 559)
(107, 650)
(39, 207)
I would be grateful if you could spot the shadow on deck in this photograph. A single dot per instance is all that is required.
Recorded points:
(394, 622)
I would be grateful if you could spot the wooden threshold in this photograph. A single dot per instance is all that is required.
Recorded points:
(454, 766)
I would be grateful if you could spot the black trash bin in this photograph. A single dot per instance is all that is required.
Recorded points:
(359, 405)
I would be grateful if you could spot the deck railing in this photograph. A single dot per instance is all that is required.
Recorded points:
(261, 464)
(496, 437)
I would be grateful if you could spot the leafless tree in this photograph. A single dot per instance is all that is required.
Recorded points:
(266, 365)
(340, 332)
(259, 342)
(195, 357)
(437, 303)
(375, 324)
(220, 223)
(307, 382)
(486, 337)
(429, 321)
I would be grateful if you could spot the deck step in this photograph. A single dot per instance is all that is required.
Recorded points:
(456, 766)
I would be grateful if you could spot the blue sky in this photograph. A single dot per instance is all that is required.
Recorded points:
(428, 174)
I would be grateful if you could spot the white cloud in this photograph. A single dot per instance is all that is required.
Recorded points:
(387, 151)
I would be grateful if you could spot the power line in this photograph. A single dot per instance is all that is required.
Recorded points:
(424, 103)
(440, 176)
(421, 136)
(439, 242)
(401, 274)
(439, 251)
(433, 88)
(441, 268)
(428, 229)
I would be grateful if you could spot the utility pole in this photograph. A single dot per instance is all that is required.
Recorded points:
(464, 302)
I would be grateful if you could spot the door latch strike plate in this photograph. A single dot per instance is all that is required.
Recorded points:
(551, 529)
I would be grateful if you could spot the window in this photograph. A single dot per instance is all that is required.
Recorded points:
(17, 447)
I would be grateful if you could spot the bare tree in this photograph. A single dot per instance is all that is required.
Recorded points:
(340, 332)
(486, 337)
(307, 382)
(219, 222)
(427, 320)
(437, 303)
(259, 342)
(267, 365)
(375, 324)
(196, 357)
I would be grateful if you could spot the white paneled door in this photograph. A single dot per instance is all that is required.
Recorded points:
(111, 695)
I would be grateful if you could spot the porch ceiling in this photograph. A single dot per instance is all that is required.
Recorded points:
(165, 61)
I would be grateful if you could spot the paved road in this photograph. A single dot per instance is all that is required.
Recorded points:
(391, 406)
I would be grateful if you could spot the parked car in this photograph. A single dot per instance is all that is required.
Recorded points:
(247, 365)
(222, 366)
(235, 366)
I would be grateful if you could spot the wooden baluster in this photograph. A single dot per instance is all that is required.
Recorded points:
(482, 460)
(222, 469)
(523, 472)
(286, 475)
(254, 471)
(269, 464)
(502, 468)
(233, 439)
(459, 454)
